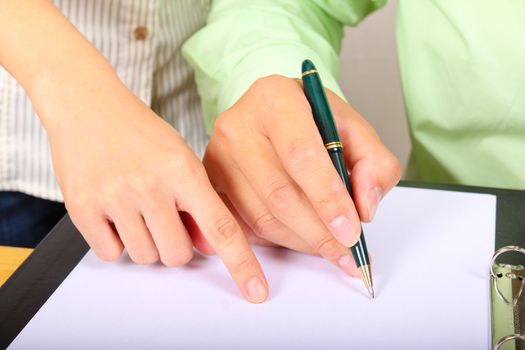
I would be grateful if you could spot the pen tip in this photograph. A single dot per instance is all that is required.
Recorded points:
(307, 65)
(371, 292)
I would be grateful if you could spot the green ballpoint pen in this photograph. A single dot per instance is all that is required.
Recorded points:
(324, 120)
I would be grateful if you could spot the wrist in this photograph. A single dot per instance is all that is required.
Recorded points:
(73, 93)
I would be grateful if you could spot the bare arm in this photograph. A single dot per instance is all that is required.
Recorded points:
(125, 174)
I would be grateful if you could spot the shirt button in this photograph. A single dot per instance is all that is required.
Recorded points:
(141, 33)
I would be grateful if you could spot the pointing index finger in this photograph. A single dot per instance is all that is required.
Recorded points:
(225, 235)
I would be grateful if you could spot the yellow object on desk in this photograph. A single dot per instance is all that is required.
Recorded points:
(10, 259)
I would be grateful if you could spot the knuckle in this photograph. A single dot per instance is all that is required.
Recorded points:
(398, 169)
(224, 229)
(244, 262)
(145, 185)
(265, 225)
(393, 167)
(193, 168)
(111, 192)
(109, 253)
(77, 204)
(180, 258)
(332, 203)
(282, 196)
(265, 88)
(172, 165)
(300, 153)
(154, 207)
(326, 247)
(225, 126)
(145, 257)
(267, 83)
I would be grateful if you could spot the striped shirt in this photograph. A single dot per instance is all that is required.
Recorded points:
(142, 40)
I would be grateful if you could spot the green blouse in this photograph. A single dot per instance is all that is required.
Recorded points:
(462, 67)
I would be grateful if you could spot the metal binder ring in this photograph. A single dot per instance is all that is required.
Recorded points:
(494, 276)
(507, 338)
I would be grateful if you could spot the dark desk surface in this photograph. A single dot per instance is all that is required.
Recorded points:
(58, 254)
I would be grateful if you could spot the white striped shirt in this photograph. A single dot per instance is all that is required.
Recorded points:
(142, 40)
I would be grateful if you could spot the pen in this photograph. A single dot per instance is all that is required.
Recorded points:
(314, 91)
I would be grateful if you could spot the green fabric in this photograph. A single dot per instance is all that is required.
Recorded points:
(463, 72)
(462, 67)
(248, 39)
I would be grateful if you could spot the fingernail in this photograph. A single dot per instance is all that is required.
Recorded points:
(347, 264)
(342, 228)
(255, 290)
(374, 197)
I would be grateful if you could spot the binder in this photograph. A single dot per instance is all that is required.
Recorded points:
(58, 254)
(508, 300)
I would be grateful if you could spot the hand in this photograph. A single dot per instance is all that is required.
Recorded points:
(126, 175)
(267, 160)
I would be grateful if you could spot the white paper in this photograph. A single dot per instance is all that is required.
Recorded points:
(430, 251)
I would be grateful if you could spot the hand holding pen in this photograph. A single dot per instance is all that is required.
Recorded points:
(268, 161)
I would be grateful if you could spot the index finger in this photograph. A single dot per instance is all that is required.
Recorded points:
(224, 234)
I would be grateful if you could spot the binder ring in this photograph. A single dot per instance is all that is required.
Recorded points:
(507, 338)
(494, 276)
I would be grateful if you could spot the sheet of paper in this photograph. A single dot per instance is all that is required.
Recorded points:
(430, 251)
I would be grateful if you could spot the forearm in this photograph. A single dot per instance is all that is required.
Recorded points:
(49, 57)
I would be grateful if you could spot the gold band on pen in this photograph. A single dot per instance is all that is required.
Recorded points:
(310, 72)
(332, 145)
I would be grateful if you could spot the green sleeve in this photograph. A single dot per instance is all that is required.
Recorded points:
(248, 39)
